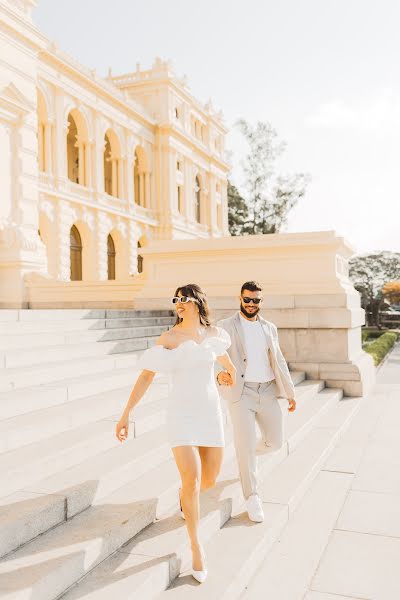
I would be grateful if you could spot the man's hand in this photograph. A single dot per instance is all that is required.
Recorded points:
(292, 404)
(224, 378)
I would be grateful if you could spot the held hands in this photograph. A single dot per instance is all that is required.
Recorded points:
(292, 404)
(226, 378)
(122, 428)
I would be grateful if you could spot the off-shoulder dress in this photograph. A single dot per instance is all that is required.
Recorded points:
(194, 415)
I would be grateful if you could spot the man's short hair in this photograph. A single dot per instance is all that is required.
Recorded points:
(252, 286)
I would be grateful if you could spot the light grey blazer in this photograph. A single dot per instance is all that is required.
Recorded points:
(237, 353)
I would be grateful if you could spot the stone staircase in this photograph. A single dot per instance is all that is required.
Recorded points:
(82, 516)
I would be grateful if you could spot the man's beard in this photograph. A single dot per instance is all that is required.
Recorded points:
(247, 314)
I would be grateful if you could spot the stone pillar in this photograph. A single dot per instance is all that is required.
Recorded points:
(133, 237)
(104, 225)
(121, 191)
(130, 186)
(213, 203)
(48, 147)
(99, 149)
(141, 189)
(147, 195)
(61, 132)
(114, 177)
(65, 219)
(224, 207)
(89, 175)
(81, 157)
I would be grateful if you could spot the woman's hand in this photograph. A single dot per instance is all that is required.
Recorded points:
(122, 428)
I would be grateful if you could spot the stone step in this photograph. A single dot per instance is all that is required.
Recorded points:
(52, 562)
(74, 325)
(43, 339)
(150, 562)
(316, 513)
(71, 408)
(40, 424)
(160, 483)
(23, 377)
(68, 314)
(10, 359)
(66, 448)
(302, 420)
(24, 400)
(74, 488)
(240, 548)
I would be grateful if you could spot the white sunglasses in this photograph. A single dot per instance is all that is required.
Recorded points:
(183, 299)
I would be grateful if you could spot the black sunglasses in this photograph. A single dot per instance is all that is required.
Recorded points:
(247, 300)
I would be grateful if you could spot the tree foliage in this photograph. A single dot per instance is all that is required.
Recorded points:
(269, 197)
(238, 213)
(369, 274)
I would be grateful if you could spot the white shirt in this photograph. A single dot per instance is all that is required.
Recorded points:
(258, 367)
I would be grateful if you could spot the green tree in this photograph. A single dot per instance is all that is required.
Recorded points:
(369, 273)
(238, 213)
(269, 197)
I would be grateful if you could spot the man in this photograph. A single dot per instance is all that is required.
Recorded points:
(264, 391)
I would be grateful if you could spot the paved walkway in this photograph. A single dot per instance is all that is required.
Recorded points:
(343, 542)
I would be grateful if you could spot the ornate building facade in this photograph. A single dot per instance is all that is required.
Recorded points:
(95, 168)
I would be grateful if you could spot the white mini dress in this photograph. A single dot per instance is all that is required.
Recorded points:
(194, 415)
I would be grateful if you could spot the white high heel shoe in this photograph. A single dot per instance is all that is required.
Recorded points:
(200, 576)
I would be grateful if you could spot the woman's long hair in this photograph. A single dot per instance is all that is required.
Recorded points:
(194, 291)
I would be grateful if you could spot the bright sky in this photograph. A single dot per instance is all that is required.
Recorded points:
(325, 73)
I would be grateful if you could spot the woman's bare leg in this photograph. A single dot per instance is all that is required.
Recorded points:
(189, 465)
(211, 461)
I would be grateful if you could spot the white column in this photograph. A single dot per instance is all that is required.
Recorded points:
(81, 159)
(147, 196)
(114, 175)
(48, 147)
(134, 235)
(63, 241)
(141, 190)
(130, 187)
(121, 187)
(61, 138)
(89, 175)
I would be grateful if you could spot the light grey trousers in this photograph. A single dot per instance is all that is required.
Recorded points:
(258, 403)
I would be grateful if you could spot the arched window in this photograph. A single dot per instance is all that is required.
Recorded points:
(139, 260)
(141, 177)
(107, 166)
(111, 257)
(72, 150)
(75, 254)
(112, 164)
(197, 200)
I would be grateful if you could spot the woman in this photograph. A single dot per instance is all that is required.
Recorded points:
(194, 417)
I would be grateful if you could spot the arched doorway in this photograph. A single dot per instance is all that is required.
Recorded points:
(111, 257)
(75, 254)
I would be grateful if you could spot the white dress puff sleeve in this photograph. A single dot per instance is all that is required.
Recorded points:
(157, 359)
(220, 342)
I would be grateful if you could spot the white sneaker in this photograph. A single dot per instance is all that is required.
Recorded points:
(255, 509)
